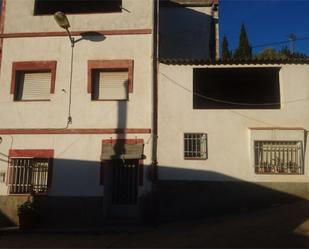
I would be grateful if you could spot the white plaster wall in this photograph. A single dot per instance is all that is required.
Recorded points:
(85, 113)
(76, 168)
(19, 18)
(229, 136)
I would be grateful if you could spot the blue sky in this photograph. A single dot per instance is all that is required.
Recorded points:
(266, 21)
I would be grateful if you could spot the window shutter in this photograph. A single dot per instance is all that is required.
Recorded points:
(112, 86)
(36, 86)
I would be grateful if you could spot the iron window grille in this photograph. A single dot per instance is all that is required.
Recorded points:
(29, 175)
(195, 146)
(278, 157)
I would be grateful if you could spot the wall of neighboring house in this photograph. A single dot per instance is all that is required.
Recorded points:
(185, 31)
(75, 184)
(226, 179)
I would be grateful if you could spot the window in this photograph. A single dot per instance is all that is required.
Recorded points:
(110, 80)
(236, 88)
(33, 81)
(195, 146)
(30, 175)
(42, 7)
(110, 85)
(278, 157)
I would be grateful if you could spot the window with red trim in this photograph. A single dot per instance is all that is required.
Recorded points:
(33, 81)
(30, 171)
(110, 79)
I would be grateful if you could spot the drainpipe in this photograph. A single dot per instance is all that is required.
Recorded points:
(215, 45)
(155, 110)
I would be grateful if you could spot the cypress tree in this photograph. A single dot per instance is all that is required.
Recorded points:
(226, 54)
(244, 50)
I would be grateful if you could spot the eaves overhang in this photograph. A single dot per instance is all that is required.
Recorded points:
(188, 3)
(183, 61)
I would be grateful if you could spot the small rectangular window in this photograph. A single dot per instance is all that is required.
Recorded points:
(45, 7)
(110, 85)
(278, 157)
(195, 146)
(29, 175)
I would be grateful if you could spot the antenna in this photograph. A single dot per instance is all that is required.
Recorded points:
(292, 38)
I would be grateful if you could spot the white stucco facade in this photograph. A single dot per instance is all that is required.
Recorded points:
(76, 167)
(229, 131)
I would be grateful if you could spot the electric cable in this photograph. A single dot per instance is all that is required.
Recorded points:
(230, 102)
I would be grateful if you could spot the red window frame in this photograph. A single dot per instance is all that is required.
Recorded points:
(110, 65)
(33, 66)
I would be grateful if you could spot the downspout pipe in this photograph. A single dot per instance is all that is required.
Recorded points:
(155, 112)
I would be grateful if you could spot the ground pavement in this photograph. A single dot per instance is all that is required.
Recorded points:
(285, 226)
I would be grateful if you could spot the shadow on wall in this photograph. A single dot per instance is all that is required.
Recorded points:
(184, 32)
(178, 199)
(220, 194)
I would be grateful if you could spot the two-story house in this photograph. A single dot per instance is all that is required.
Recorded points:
(76, 124)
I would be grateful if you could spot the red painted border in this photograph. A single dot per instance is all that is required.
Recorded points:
(36, 66)
(123, 141)
(276, 128)
(31, 153)
(112, 65)
(74, 131)
(78, 33)
(2, 19)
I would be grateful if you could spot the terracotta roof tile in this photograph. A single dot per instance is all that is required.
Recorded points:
(182, 61)
(190, 2)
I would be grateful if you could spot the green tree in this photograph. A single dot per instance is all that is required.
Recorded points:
(285, 51)
(270, 54)
(226, 53)
(244, 50)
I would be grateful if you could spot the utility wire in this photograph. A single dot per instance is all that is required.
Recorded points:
(280, 42)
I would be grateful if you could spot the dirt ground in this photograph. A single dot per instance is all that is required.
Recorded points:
(285, 226)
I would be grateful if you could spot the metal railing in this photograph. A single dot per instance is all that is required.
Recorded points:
(278, 157)
(28, 175)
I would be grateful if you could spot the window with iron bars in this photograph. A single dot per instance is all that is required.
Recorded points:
(278, 157)
(29, 175)
(195, 146)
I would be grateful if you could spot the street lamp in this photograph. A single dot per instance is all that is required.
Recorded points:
(64, 23)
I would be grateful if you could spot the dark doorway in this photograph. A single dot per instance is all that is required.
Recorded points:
(121, 190)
